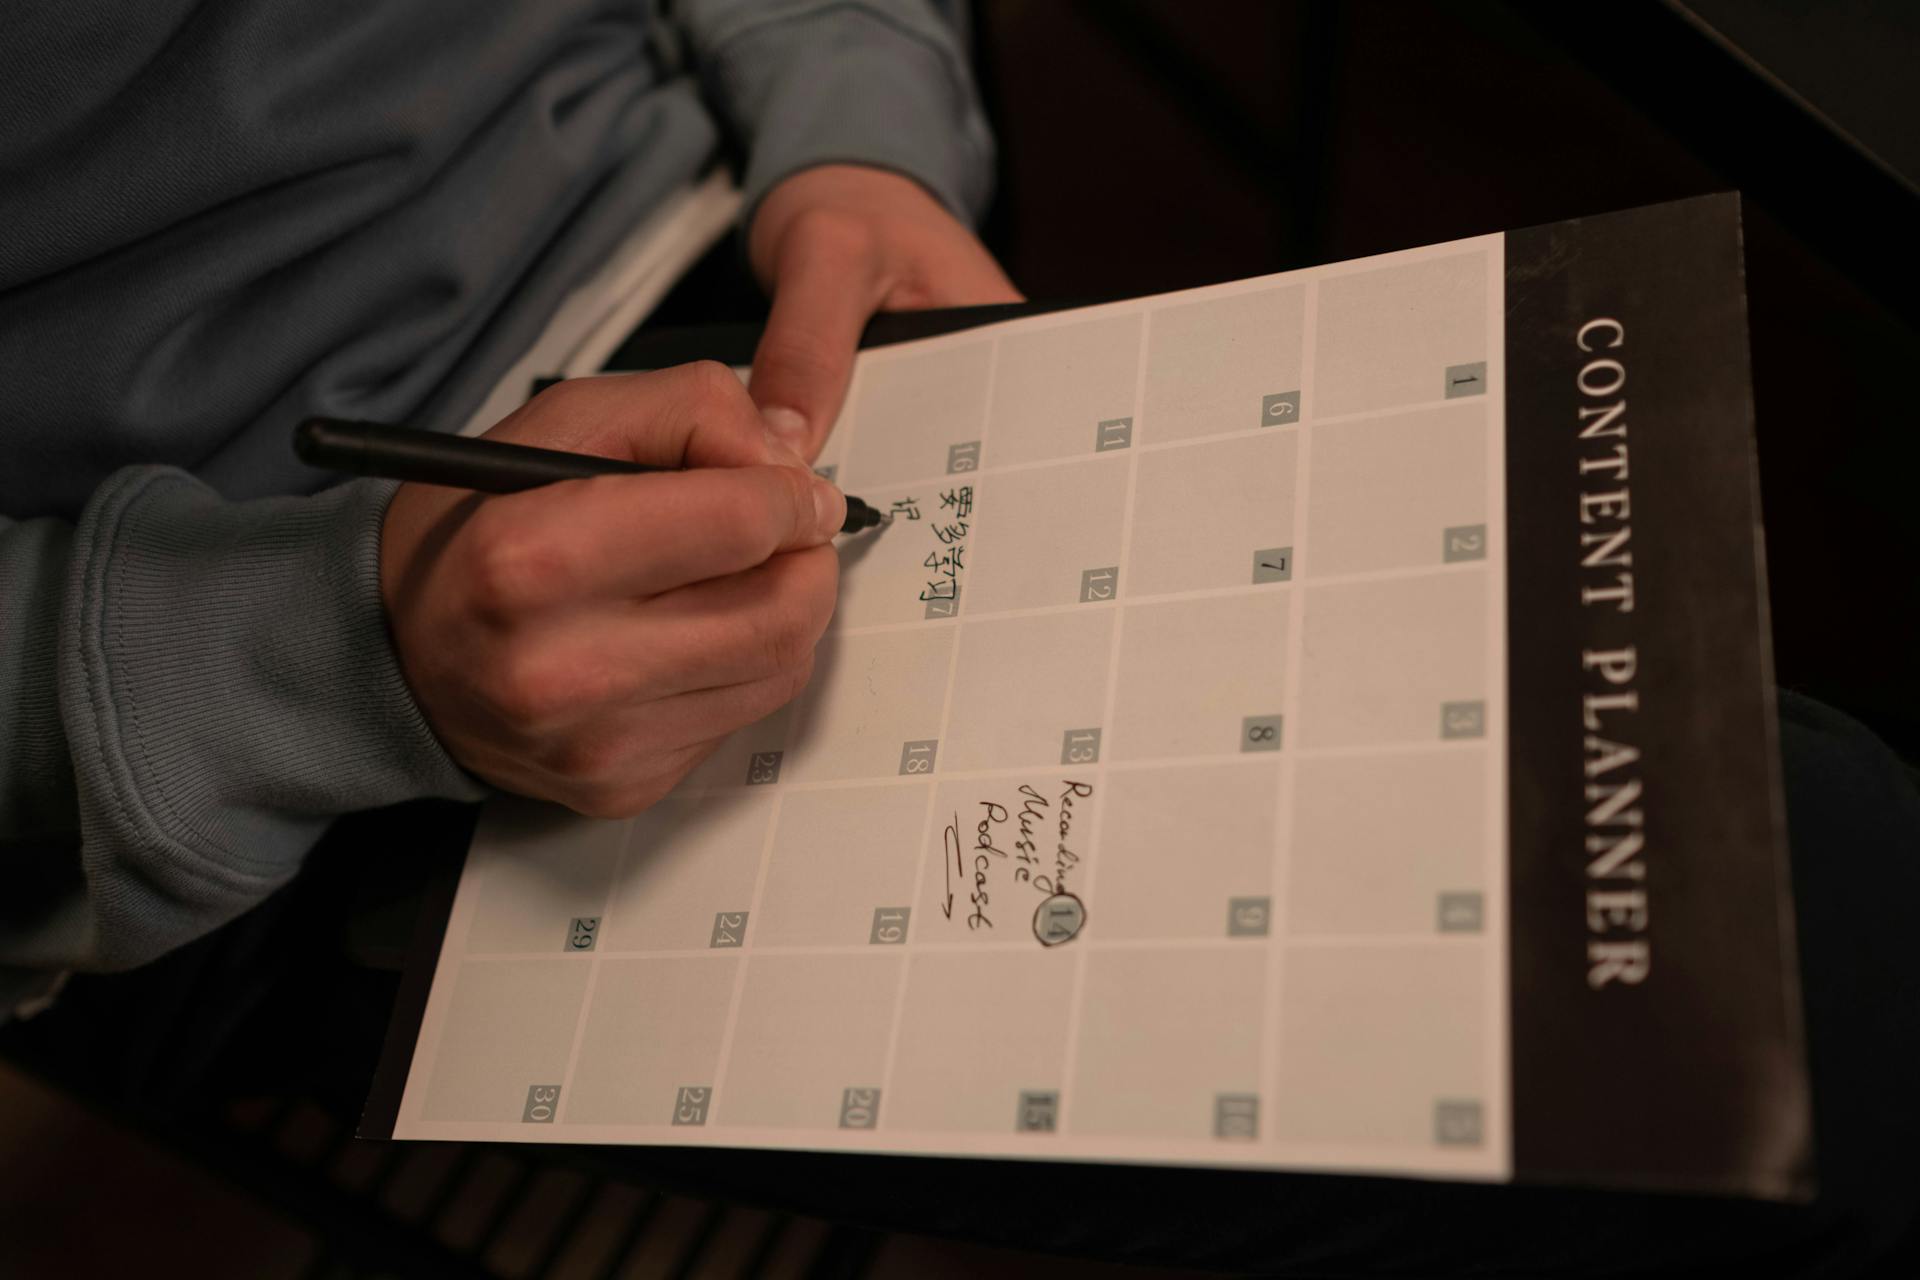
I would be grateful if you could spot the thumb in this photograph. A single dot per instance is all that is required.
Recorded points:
(822, 299)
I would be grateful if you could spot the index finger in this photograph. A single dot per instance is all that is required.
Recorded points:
(637, 536)
(690, 415)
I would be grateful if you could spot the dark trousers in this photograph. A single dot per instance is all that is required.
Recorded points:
(285, 998)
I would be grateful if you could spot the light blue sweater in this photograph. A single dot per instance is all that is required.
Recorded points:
(221, 216)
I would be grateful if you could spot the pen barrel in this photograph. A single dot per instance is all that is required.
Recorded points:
(428, 457)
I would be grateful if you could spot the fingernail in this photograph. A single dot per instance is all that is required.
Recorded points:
(788, 425)
(829, 507)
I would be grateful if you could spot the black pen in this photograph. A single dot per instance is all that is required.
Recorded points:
(459, 462)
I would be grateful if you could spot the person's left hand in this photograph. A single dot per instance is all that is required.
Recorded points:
(835, 244)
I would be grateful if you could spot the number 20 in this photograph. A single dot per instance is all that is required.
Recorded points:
(857, 1109)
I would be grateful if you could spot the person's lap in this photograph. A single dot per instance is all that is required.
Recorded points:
(275, 1002)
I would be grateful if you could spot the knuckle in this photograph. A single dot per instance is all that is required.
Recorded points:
(510, 571)
(711, 382)
(562, 403)
(798, 511)
(574, 396)
(525, 692)
(590, 761)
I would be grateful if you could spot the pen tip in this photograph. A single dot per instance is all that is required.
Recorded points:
(863, 515)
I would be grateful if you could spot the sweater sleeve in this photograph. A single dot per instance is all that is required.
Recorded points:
(875, 82)
(190, 690)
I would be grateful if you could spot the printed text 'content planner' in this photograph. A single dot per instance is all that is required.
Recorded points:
(1318, 722)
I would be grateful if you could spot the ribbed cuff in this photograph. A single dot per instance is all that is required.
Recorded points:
(228, 687)
(36, 775)
(852, 84)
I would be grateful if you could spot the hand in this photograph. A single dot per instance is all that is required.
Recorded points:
(835, 244)
(590, 642)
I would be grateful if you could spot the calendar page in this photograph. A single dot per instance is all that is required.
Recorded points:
(1316, 722)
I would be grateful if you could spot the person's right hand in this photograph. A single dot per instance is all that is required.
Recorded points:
(590, 642)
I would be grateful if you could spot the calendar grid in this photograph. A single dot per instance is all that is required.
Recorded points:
(931, 783)
(1169, 597)
(1091, 860)
(1140, 764)
(1278, 931)
(745, 963)
(586, 1001)
(1496, 961)
(754, 917)
(1313, 941)
(1291, 446)
(989, 470)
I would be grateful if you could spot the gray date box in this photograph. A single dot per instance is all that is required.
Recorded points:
(917, 757)
(1463, 719)
(543, 1100)
(1039, 1112)
(1457, 1123)
(1273, 564)
(1236, 1116)
(1249, 917)
(1099, 584)
(690, 1104)
(1115, 433)
(763, 768)
(1462, 913)
(729, 929)
(1466, 379)
(859, 1108)
(1280, 409)
(889, 926)
(1260, 733)
(1080, 746)
(1463, 542)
